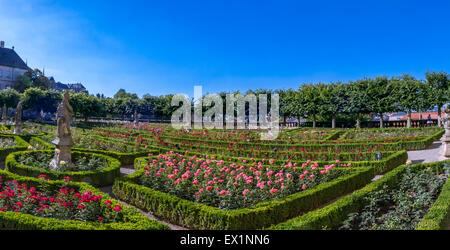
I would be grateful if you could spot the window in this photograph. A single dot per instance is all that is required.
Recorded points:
(1, 73)
(8, 74)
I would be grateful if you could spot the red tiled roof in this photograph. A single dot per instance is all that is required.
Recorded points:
(416, 116)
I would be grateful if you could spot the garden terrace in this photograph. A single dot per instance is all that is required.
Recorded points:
(37, 204)
(424, 190)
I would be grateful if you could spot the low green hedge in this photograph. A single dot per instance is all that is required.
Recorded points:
(334, 214)
(38, 143)
(198, 216)
(124, 158)
(134, 220)
(102, 177)
(20, 146)
(221, 146)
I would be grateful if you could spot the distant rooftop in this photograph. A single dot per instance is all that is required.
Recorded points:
(9, 58)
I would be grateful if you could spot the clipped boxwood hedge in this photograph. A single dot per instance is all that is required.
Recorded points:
(438, 217)
(20, 146)
(102, 177)
(133, 219)
(124, 158)
(199, 216)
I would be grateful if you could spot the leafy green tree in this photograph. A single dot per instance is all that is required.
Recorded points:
(334, 98)
(38, 79)
(123, 94)
(358, 99)
(22, 83)
(85, 105)
(39, 100)
(10, 97)
(407, 94)
(439, 83)
(380, 97)
(289, 106)
(309, 100)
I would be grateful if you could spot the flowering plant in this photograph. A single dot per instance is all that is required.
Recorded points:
(230, 185)
(65, 204)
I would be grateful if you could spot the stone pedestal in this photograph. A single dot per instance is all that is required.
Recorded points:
(18, 128)
(447, 139)
(4, 114)
(63, 155)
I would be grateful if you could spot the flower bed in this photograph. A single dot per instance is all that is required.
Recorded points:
(268, 206)
(11, 144)
(36, 204)
(96, 169)
(406, 198)
(389, 132)
(389, 160)
(124, 158)
(230, 186)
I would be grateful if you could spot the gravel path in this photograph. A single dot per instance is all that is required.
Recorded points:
(434, 153)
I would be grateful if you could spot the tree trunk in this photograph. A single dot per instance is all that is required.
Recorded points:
(333, 121)
(439, 117)
(408, 122)
(314, 120)
(85, 119)
(381, 120)
(358, 121)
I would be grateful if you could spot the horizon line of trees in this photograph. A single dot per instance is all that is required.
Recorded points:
(350, 101)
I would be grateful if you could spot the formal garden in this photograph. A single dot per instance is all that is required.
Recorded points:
(154, 177)
(119, 172)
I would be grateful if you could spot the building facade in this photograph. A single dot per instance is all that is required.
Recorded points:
(11, 66)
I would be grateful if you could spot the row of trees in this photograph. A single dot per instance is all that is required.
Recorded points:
(367, 96)
(355, 99)
(123, 104)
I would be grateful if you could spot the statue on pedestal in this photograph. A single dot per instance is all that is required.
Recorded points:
(63, 141)
(447, 131)
(4, 113)
(18, 119)
(136, 119)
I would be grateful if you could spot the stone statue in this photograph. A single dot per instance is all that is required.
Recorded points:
(64, 116)
(4, 113)
(63, 141)
(136, 119)
(18, 119)
(447, 131)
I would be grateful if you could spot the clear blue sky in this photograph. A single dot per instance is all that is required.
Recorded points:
(161, 47)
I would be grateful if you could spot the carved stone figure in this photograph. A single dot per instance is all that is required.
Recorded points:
(64, 116)
(63, 141)
(136, 119)
(18, 119)
(4, 113)
(447, 131)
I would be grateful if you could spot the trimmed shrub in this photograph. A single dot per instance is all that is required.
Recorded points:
(101, 177)
(20, 146)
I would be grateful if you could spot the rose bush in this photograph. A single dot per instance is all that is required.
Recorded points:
(231, 185)
(65, 204)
